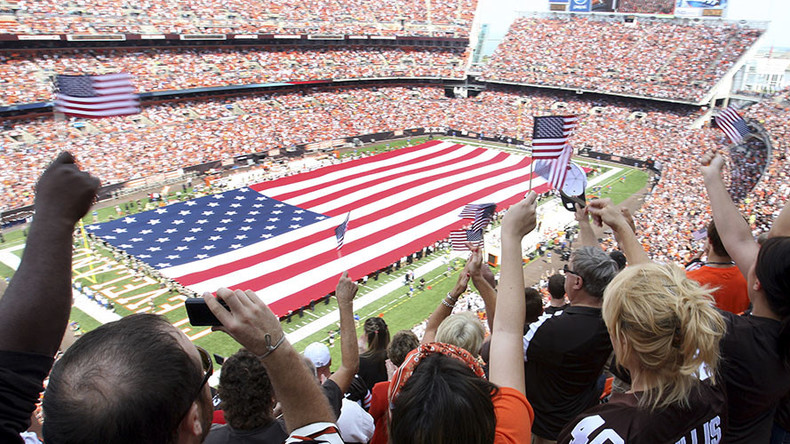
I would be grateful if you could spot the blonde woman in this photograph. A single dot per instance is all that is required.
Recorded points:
(666, 333)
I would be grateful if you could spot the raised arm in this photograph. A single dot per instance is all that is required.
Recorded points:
(603, 211)
(349, 351)
(781, 226)
(586, 235)
(35, 308)
(445, 307)
(507, 363)
(732, 227)
(477, 272)
(253, 325)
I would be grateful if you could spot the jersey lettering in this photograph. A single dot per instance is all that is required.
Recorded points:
(582, 432)
(711, 431)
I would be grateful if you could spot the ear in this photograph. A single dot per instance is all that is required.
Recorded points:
(757, 286)
(191, 429)
(578, 283)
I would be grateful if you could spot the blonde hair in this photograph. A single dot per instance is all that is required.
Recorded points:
(665, 324)
(464, 330)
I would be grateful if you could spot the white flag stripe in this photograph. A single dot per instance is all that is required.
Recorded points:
(357, 231)
(104, 113)
(336, 175)
(87, 101)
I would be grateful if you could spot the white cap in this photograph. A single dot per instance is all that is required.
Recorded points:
(318, 353)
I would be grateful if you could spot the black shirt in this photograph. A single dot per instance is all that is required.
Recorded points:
(334, 395)
(565, 354)
(754, 375)
(272, 433)
(551, 309)
(372, 368)
(21, 380)
(622, 420)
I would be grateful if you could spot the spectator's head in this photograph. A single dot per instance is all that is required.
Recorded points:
(619, 258)
(771, 277)
(464, 330)
(246, 392)
(663, 328)
(588, 273)
(319, 356)
(557, 286)
(439, 395)
(377, 335)
(135, 380)
(403, 342)
(534, 305)
(714, 241)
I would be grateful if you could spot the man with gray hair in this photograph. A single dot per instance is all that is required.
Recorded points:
(565, 352)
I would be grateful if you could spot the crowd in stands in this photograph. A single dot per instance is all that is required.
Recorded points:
(27, 76)
(646, 6)
(654, 58)
(355, 17)
(640, 353)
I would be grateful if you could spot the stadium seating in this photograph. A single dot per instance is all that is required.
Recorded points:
(660, 59)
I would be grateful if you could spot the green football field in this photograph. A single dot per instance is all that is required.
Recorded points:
(131, 292)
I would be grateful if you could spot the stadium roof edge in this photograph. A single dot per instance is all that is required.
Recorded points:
(618, 16)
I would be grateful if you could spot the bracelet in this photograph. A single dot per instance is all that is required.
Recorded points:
(450, 298)
(269, 347)
(448, 305)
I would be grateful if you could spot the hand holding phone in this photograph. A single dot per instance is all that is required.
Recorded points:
(199, 313)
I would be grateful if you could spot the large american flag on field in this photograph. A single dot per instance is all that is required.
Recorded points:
(277, 237)
(732, 124)
(550, 134)
(96, 96)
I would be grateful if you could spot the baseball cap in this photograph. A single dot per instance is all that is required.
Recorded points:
(318, 353)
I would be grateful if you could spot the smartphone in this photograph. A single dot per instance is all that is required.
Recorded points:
(199, 313)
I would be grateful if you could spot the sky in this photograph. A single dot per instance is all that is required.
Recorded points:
(500, 13)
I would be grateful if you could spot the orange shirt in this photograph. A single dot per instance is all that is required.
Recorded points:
(514, 417)
(732, 294)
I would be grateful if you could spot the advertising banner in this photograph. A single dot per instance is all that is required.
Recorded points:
(580, 6)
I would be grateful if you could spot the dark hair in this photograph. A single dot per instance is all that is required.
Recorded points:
(534, 305)
(378, 336)
(246, 392)
(619, 258)
(402, 343)
(715, 240)
(128, 381)
(773, 272)
(557, 286)
(443, 402)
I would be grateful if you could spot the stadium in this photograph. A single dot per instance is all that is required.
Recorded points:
(264, 125)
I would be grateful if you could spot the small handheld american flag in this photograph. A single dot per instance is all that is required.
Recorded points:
(732, 124)
(96, 96)
(461, 238)
(550, 134)
(340, 232)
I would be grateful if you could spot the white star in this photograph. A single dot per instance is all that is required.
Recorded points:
(201, 256)
(294, 226)
(161, 211)
(125, 246)
(235, 246)
(184, 212)
(162, 240)
(178, 222)
(279, 205)
(195, 230)
(119, 230)
(110, 237)
(152, 249)
(129, 220)
(245, 228)
(170, 230)
(214, 238)
(243, 190)
(273, 219)
(201, 221)
(208, 247)
(241, 236)
(188, 239)
(208, 213)
(321, 217)
(213, 204)
(258, 206)
(296, 218)
(154, 222)
(190, 203)
(136, 239)
(146, 231)
(162, 265)
(270, 227)
(219, 196)
(220, 229)
(261, 198)
(254, 213)
(240, 197)
(299, 211)
(231, 213)
(266, 235)
(173, 256)
(93, 227)
(143, 256)
(182, 248)
(250, 220)
(226, 221)
(277, 212)
(235, 205)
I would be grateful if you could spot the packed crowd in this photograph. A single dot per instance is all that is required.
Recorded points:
(207, 130)
(27, 76)
(356, 17)
(646, 6)
(655, 58)
(640, 353)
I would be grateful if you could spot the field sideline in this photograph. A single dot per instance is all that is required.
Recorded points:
(132, 292)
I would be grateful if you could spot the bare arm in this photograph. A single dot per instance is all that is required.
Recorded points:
(349, 352)
(253, 325)
(603, 211)
(445, 308)
(476, 271)
(586, 235)
(781, 226)
(35, 308)
(507, 362)
(732, 227)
